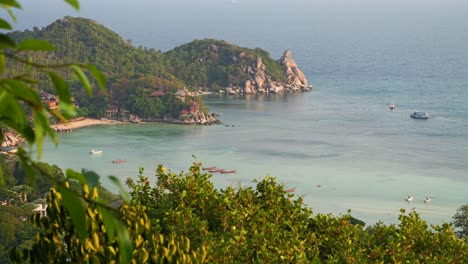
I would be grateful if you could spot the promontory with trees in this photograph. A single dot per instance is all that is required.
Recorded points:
(155, 85)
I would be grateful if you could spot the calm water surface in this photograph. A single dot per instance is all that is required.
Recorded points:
(359, 55)
(363, 156)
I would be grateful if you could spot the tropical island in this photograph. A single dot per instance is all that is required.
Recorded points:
(150, 85)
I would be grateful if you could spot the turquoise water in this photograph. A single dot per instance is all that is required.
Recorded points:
(363, 156)
(359, 55)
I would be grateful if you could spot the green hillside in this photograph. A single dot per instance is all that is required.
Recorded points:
(205, 63)
(216, 63)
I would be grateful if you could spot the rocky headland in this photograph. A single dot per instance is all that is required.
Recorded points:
(259, 81)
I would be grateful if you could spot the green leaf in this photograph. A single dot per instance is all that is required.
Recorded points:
(36, 44)
(109, 222)
(125, 245)
(74, 4)
(67, 109)
(23, 92)
(61, 87)
(76, 209)
(97, 74)
(10, 3)
(39, 131)
(6, 42)
(123, 193)
(56, 113)
(13, 17)
(71, 174)
(83, 79)
(91, 178)
(2, 62)
(4, 24)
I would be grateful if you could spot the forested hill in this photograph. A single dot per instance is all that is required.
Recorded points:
(217, 63)
(84, 40)
(141, 72)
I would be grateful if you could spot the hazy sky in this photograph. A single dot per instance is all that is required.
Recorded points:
(152, 23)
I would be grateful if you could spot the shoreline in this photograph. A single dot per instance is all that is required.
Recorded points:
(86, 122)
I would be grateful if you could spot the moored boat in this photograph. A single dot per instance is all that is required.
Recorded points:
(216, 170)
(209, 168)
(119, 161)
(228, 171)
(95, 152)
(420, 115)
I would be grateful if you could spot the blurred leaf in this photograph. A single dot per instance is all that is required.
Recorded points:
(61, 87)
(39, 131)
(91, 178)
(36, 44)
(125, 245)
(67, 109)
(5, 25)
(42, 128)
(71, 174)
(97, 74)
(6, 42)
(74, 4)
(2, 62)
(24, 92)
(13, 17)
(109, 222)
(83, 79)
(10, 3)
(122, 191)
(56, 113)
(77, 212)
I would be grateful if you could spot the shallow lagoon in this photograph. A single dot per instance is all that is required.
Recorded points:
(340, 152)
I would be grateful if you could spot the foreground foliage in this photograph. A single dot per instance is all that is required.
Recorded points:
(460, 221)
(266, 224)
(58, 240)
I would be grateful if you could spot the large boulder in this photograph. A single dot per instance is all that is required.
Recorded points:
(293, 73)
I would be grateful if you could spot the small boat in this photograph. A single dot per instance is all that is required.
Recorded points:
(228, 171)
(409, 199)
(427, 200)
(291, 190)
(95, 152)
(419, 115)
(119, 161)
(216, 170)
(391, 106)
(209, 168)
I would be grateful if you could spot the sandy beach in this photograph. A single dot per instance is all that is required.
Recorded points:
(84, 123)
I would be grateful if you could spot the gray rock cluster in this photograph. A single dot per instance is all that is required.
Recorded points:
(260, 82)
(199, 118)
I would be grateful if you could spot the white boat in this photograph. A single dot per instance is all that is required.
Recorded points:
(409, 199)
(427, 200)
(95, 152)
(391, 106)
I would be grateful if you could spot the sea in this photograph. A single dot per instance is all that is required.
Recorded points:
(339, 146)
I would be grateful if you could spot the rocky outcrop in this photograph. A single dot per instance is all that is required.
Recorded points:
(295, 76)
(11, 140)
(260, 82)
(199, 118)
